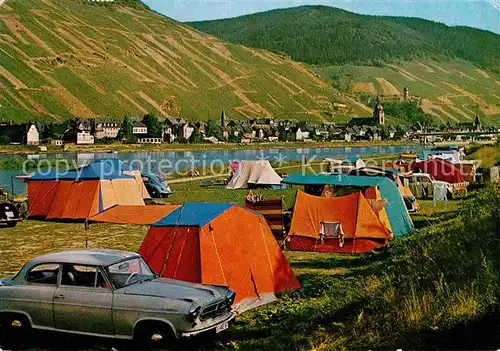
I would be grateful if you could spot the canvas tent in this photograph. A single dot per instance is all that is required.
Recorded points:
(221, 244)
(254, 174)
(358, 230)
(399, 218)
(440, 169)
(355, 162)
(84, 193)
(124, 214)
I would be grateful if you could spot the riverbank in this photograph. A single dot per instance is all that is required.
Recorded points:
(118, 147)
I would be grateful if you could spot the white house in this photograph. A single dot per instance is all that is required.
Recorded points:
(32, 136)
(139, 128)
(84, 138)
(106, 130)
(187, 130)
(301, 135)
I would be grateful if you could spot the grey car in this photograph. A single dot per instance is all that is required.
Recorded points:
(109, 293)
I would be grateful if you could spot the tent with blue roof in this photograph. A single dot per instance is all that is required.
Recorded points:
(220, 244)
(85, 192)
(398, 216)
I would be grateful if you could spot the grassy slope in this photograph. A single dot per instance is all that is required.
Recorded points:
(63, 59)
(324, 35)
(450, 90)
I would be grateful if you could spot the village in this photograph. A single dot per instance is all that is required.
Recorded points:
(151, 129)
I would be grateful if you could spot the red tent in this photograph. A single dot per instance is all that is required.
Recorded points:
(440, 169)
(220, 244)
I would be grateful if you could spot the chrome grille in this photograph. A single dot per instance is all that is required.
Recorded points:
(215, 310)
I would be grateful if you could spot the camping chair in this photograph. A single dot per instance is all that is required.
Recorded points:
(271, 210)
(331, 230)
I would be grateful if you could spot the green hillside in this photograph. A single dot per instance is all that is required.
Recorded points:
(323, 35)
(69, 58)
(453, 90)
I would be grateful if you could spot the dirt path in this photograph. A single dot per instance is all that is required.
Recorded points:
(194, 179)
(12, 79)
(483, 73)
(387, 88)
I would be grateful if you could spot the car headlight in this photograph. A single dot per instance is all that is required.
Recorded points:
(231, 296)
(194, 312)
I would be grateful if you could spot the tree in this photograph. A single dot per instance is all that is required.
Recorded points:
(384, 133)
(213, 129)
(126, 131)
(196, 137)
(155, 129)
(234, 139)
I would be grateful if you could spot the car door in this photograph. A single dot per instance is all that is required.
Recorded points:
(35, 295)
(83, 301)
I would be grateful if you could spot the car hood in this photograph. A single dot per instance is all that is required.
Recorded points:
(177, 290)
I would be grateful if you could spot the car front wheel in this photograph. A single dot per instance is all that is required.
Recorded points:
(154, 335)
(14, 331)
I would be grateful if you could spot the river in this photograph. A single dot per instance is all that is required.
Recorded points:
(168, 161)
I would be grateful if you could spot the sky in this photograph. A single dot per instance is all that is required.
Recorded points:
(483, 14)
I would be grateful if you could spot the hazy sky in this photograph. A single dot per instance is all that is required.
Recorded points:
(484, 14)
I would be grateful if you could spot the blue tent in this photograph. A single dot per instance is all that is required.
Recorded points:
(99, 169)
(397, 213)
(196, 214)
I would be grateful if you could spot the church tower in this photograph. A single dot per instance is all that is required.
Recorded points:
(406, 94)
(223, 120)
(378, 113)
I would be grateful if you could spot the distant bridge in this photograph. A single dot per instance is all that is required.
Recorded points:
(458, 133)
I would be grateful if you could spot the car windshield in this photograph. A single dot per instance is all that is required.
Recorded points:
(159, 179)
(129, 272)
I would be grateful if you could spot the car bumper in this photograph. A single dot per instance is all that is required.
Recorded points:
(9, 220)
(208, 329)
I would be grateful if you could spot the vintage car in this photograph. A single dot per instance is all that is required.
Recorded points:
(109, 293)
(422, 185)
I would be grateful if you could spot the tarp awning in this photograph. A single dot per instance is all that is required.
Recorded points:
(123, 214)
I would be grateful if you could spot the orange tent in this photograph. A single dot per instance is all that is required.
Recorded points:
(221, 244)
(123, 214)
(360, 229)
(84, 193)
